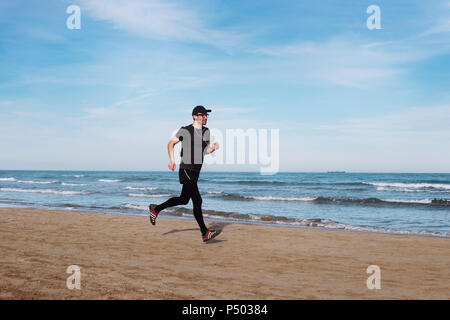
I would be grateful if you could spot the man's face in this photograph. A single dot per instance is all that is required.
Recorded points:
(201, 117)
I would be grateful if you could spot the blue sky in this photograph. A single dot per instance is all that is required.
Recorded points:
(109, 96)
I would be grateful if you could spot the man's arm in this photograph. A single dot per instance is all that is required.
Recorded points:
(170, 148)
(214, 147)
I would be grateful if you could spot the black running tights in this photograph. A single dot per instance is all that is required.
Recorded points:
(189, 191)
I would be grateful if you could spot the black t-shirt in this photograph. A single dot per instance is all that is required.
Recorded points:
(194, 142)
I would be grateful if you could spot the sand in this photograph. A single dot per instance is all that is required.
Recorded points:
(125, 257)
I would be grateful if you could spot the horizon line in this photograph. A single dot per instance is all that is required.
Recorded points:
(328, 171)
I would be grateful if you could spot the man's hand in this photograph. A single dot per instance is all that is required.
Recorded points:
(172, 165)
(211, 149)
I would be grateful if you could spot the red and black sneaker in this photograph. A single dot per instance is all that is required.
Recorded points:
(153, 213)
(210, 234)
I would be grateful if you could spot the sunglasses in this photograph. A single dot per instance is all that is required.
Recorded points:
(202, 115)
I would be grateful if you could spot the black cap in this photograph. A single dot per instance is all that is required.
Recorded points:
(200, 109)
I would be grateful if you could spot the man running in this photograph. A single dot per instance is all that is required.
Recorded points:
(195, 144)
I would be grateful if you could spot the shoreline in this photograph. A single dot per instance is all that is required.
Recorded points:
(125, 257)
(308, 223)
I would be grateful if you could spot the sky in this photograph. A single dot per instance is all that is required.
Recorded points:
(110, 95)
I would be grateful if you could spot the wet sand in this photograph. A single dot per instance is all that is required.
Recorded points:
(125, 257)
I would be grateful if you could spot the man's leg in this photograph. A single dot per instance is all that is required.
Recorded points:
(175, 201)
(197, 203)
(189, 191)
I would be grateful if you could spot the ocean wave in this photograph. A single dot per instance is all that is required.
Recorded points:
(73, 175)
(408, 186)
(441, 202)
(12, 179)
(37, 182)
(376, 201)
(270, 198)
(87, 207)
(288, 183)
(73, 184)
(109, 180)
(16, 202)
(77, 206)
(128, 179)
(255, 182)
(314, 222)
(136, 206)
(332, 200)
(382, 186)
(48, 191)
(143, 195)
(422, 201)
(71, 205)
(142, 188)
(234, 196)
(439, 181)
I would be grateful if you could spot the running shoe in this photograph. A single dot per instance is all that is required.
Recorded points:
(153, 213)
(210, 234)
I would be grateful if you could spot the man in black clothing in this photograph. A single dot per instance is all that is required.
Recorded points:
(195, 144)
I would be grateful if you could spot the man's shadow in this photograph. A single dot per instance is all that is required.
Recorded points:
(218, 226)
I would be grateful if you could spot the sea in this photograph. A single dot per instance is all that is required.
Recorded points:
(395, 203)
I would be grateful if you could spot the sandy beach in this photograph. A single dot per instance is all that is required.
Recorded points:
(125, 257)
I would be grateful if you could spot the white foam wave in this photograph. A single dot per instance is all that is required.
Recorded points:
(36, 182)
(408, 186)
(27, 181)
(73, 184)
(136, 207)
(270, 198)
(109, 180)
(73, 175)
(329, 224)
(48, 191)
(142, 195)
(405, 189)
(424, 201)
(215, 192)
(142, 188)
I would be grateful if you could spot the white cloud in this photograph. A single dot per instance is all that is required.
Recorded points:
(442, 26)
(343, 61)
(377, 44)
(26, 114)
(411, 140)
(158, 19)
(358, 77)
(287, 50)
(406, 135)
(349, 61)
